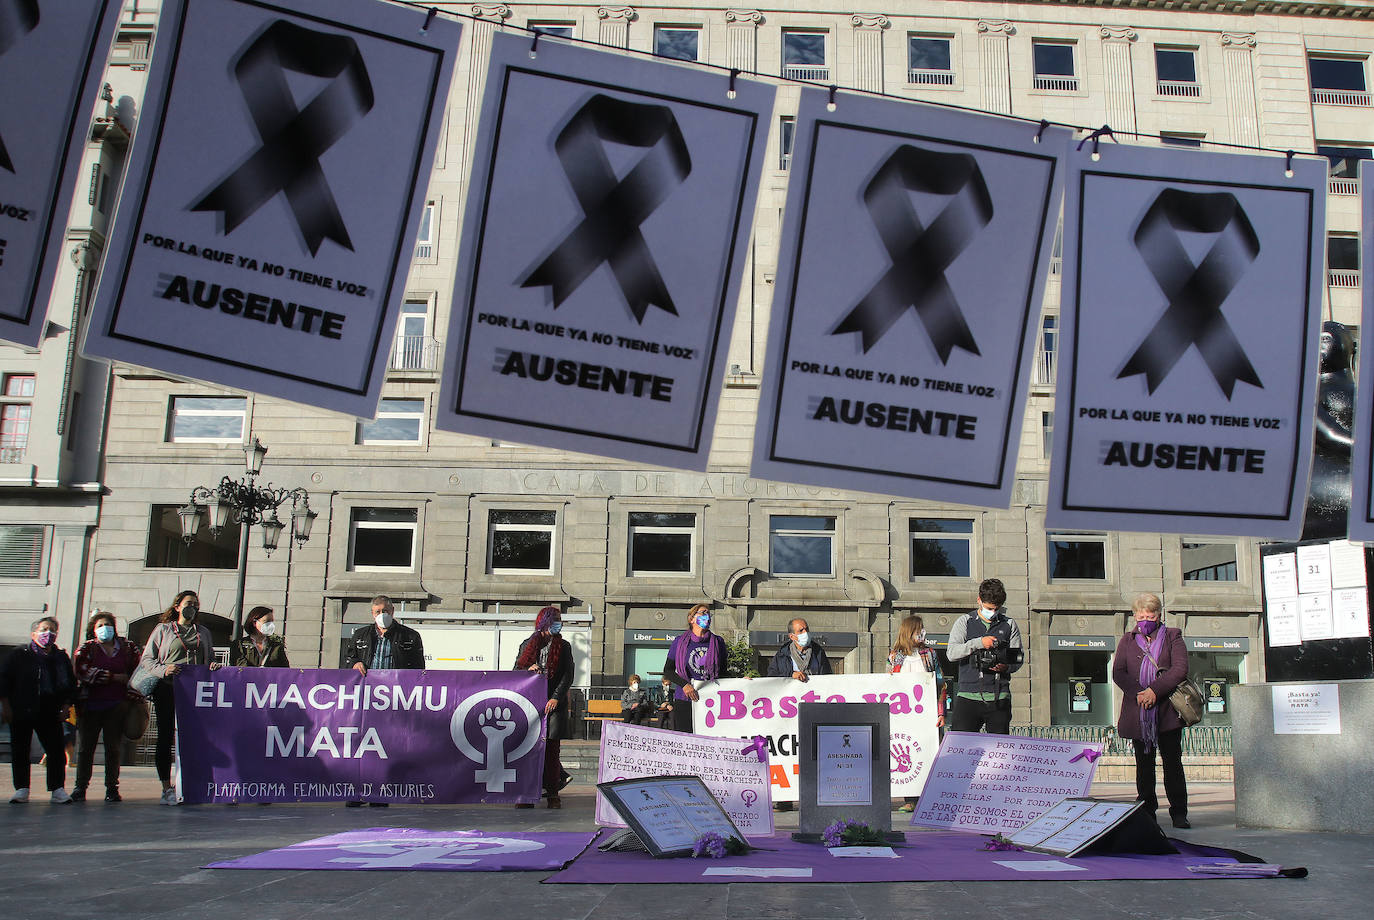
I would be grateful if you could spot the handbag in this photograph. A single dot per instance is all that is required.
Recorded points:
(136, 719)
(143, 680)
(1186, 698)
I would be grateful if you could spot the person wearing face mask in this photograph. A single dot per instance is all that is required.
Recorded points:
(548, 653)
(1151, 661)
(911, 654)
(664, 713)
(104, 664)
(634, 703)
(37, 688)
(385, 643)
(177, 640)
(798, 658)
(696, 655)
(983, 696)
(260, 646)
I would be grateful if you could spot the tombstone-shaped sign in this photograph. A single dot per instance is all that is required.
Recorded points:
(844, 766)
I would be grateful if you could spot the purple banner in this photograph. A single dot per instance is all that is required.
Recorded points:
(420, 737)
(435, 851)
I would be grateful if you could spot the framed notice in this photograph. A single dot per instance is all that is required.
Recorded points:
(263, 240)
(1073, 825)
(1080, 694)
(52, 60)
(604, 243)
(1191, 302)
(1214, 694)
(844, 765)
(668, 813)
(897, 361)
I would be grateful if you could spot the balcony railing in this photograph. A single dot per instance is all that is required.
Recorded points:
(1177, 88)
(1340, 97)
(12, 454)
(784, 161)
(930, 77)
(805, 72)
(1057, 84)
(1043, 375)
(415, 353)
(1343, 277)
(1344, 186)
(424, 250)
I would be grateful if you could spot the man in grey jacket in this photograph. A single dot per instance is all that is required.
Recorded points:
(982, 698)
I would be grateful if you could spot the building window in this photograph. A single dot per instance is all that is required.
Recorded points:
(928, 61)
(1345, 167)
(167, 550)
(16, 416)
(1209, 562)
(399, 421)
(560, 29)
(1343, 260)
(801, 545)
(207, 419)
(1338, 81)
(681, 43)
(1054, 66)
(941, 548)
(1048, 351)
(416, 349)
(803, 56)
(662, 543)
(521, 541)
(424, 240)
(1176, 72)
(382, 540)
(1046, 434)
(1074, 557)
(21, 550)
(787, 132)
(1179, 139)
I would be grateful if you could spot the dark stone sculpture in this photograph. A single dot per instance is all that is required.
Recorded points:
(1328, 496)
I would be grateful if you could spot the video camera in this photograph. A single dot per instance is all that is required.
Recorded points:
(985, 659)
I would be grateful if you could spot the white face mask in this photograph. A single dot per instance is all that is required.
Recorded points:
(267, 627)
(803, 639)
(383, 619)
(634, 686)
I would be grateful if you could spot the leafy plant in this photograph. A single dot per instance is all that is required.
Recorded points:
(740, 660)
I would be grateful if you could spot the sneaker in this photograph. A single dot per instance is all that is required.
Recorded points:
(20, 796)
(112, 795)
(169, 796)
(564, 779)
(78, 795)
(60, 796)
(555, 802)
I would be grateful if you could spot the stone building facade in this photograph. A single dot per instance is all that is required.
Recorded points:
(472, 536)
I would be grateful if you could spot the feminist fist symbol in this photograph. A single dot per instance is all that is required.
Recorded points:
(496, 723)
(902, 753)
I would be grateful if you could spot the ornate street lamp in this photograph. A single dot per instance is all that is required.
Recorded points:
(246, 503)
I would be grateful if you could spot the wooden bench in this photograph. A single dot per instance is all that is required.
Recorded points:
(602, 711)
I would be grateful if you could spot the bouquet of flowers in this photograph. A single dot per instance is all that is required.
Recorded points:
(852, 834)
(714, 846)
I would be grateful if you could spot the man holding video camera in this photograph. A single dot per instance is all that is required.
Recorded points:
(987, 645)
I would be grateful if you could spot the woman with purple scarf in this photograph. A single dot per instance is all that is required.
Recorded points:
(549, 654)
(697, 654)
(1151, 660)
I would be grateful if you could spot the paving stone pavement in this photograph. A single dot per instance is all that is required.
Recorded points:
(139, 859)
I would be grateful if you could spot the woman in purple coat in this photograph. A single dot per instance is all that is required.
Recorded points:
(1151, 660)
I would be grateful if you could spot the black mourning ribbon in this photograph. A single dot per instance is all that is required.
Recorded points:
(1195, 292)
(293, 139)
(613, 209)
(17, 19)
(920, 254)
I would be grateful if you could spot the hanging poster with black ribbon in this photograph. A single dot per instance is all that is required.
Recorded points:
(605, 238)
(1189, 313)
(273, 197)
(52, 60)
(912, 267)
(1361, 526)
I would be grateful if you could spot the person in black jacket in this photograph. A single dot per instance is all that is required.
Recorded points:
(798, 658)
(388, 643)
(260, 646)
(37, 689)
(550, 654)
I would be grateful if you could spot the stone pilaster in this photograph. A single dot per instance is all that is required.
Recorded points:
(1116, 70)
(615, 25)
(486, 17)
(994, 68)
(741, 31)
(868, 50)
(1237, 55)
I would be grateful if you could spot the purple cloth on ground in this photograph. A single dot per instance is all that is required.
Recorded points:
(926, 857)
(411, 848)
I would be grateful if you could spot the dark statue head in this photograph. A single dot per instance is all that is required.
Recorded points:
(1337, 348)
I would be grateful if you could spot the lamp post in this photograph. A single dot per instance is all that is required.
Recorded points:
(247, 503)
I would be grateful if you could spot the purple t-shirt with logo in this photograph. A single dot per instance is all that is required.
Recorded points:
(696, 656)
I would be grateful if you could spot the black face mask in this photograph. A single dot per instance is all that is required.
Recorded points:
(190, 613)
